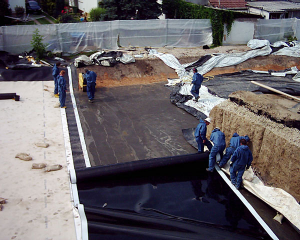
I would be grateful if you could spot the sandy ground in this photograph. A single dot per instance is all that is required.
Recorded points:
(38, 204)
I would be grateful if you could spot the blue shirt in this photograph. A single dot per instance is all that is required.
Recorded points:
(242, 156)
(55, 71)
(201, 129)
(218, 137)
(62, 85)
(90, 77)
(197, 79)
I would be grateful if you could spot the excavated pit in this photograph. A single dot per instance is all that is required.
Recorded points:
(270, 120)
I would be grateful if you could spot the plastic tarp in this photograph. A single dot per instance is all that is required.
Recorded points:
(92, 36)
(277, 198)
(163, 198)
(276, 29)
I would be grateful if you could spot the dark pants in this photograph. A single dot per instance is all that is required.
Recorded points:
(213, 154)
(62, 98)
(227, 156)
(201, 144)
(195, 90)
(236, 174)
(55, 85)
(90, 88)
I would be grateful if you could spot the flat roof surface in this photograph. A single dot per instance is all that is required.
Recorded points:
(274, 6)
(39, 203)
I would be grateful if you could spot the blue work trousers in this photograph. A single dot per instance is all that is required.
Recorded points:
(62, 98)
(55, 85)
(213, 154)
(227, 156)
(201, 144)
(236, 174)
(195, 90)
(90, 88)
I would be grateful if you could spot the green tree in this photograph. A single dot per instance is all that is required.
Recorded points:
(59, 7)
(131, 9)
(37, 44)
(4, 11)
(97, 14)
(49, 6)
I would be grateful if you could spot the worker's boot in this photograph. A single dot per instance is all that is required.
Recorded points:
(56, 95)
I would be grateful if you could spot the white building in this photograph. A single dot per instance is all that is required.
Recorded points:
(274, 9)
(84, 5)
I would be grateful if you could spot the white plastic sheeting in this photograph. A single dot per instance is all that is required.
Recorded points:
(277, 198)
(92, 36)
(206, 101)
(218, 60)
(276, 29)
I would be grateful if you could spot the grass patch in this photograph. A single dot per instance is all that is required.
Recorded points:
(50, 17)
(25, 23)
(43, 21)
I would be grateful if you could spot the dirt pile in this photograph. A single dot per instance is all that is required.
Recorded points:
(274, 107)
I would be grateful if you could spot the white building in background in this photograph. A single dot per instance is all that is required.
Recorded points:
(84, 5)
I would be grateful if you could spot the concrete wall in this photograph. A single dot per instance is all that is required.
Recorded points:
(241, 33)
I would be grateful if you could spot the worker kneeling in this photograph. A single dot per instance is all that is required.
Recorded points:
(241, 159)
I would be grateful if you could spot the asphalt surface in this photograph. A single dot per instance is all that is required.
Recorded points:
(133, 123)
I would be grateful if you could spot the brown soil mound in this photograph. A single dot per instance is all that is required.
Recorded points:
(150, 69)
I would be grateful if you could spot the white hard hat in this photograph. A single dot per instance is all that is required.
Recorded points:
(207, 119)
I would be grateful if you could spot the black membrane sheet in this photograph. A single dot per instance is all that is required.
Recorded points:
(223, 85)
(172, 201)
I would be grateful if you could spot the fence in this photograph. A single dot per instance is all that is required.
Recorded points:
(91, 36)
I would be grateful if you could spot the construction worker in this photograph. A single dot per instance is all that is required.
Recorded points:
(200, 135)
(219, 144)
(197, 81)
(90, 84)
(55, 73)
(241, 159)
(234, 144)
(62, 88)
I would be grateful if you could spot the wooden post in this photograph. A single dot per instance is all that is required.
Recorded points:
(277, 91)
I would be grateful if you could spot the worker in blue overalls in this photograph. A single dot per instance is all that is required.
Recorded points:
(90, 77)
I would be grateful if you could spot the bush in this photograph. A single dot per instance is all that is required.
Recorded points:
(38, 45)
(97, 14)
(67, 18)
(19, 10)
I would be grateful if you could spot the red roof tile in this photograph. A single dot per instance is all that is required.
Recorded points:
(228, 3)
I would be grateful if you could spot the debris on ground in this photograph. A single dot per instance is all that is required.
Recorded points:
(24, 156)
(38, 165)
(42, 145)
(107, 59)
(54, 167)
